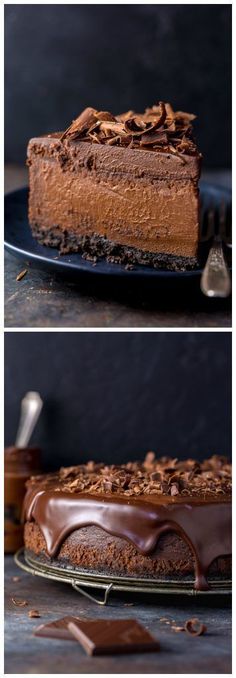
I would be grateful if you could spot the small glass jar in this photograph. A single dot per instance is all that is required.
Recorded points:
(19, 465)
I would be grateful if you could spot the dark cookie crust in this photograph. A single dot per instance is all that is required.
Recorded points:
(96, 247)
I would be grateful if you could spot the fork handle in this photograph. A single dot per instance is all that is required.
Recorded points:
(215, 280)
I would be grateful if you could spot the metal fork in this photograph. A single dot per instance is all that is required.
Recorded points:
(215, 279)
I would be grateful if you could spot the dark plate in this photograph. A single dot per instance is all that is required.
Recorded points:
(20, 243)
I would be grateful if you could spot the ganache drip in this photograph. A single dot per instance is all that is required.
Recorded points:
(158, 128)
(62, 503)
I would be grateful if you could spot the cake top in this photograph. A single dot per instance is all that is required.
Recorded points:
(163, 476)
(159, 128)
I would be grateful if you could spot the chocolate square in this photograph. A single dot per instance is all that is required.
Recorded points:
(56, 629)
(105, 636)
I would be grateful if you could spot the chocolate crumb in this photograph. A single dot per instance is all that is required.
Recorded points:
(195, 627)
(33, 613)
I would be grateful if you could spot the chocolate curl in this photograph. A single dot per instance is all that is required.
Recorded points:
(158, 127)
(140, 127)
(19, 603)
(194, 627)
(170, 114)
(159, 112)
(162, 115)
(104, 116)
(81, 124)
(135, 126)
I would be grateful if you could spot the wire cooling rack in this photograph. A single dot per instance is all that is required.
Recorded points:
(81, 581)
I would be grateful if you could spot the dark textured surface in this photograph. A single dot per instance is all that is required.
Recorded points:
(61, 58)
(179, 652)
(112, 396)
(42, 299)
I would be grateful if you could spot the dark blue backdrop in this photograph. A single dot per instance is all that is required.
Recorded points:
(61, 58)
(111, 396)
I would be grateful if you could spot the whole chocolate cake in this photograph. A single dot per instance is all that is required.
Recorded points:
(124, 187)
(163, 519)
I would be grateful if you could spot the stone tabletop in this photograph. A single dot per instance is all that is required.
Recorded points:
(43, 299)
(179, 652)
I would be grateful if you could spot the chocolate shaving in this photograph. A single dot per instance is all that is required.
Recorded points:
(19, 603)
(149, 459)
(194, 627)
(81, 124)
(104, 116)
(65, 472)
(158, 128)
(115, 127)
(21, 274)
(108, 485)
(153, 476)
(152, 138)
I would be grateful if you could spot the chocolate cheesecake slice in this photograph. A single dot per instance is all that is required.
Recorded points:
(161, 519)
(122, 187)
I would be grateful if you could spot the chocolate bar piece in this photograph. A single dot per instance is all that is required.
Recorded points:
(107, 636)
(56, 629)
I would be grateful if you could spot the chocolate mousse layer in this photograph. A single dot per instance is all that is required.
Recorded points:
(161, 518)
(125, 188)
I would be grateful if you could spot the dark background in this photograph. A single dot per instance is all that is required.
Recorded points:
(62, 58)
(113, 396)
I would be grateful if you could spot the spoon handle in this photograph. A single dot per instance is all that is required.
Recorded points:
(31, 406)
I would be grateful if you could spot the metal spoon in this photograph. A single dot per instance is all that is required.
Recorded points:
(31, 406)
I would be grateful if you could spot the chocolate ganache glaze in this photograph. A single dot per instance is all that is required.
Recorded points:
(199, 514)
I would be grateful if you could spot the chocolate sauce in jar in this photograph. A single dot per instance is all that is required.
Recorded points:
(19, 465)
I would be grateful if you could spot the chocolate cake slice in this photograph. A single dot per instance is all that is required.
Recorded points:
(124, 187)
(161, 519)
